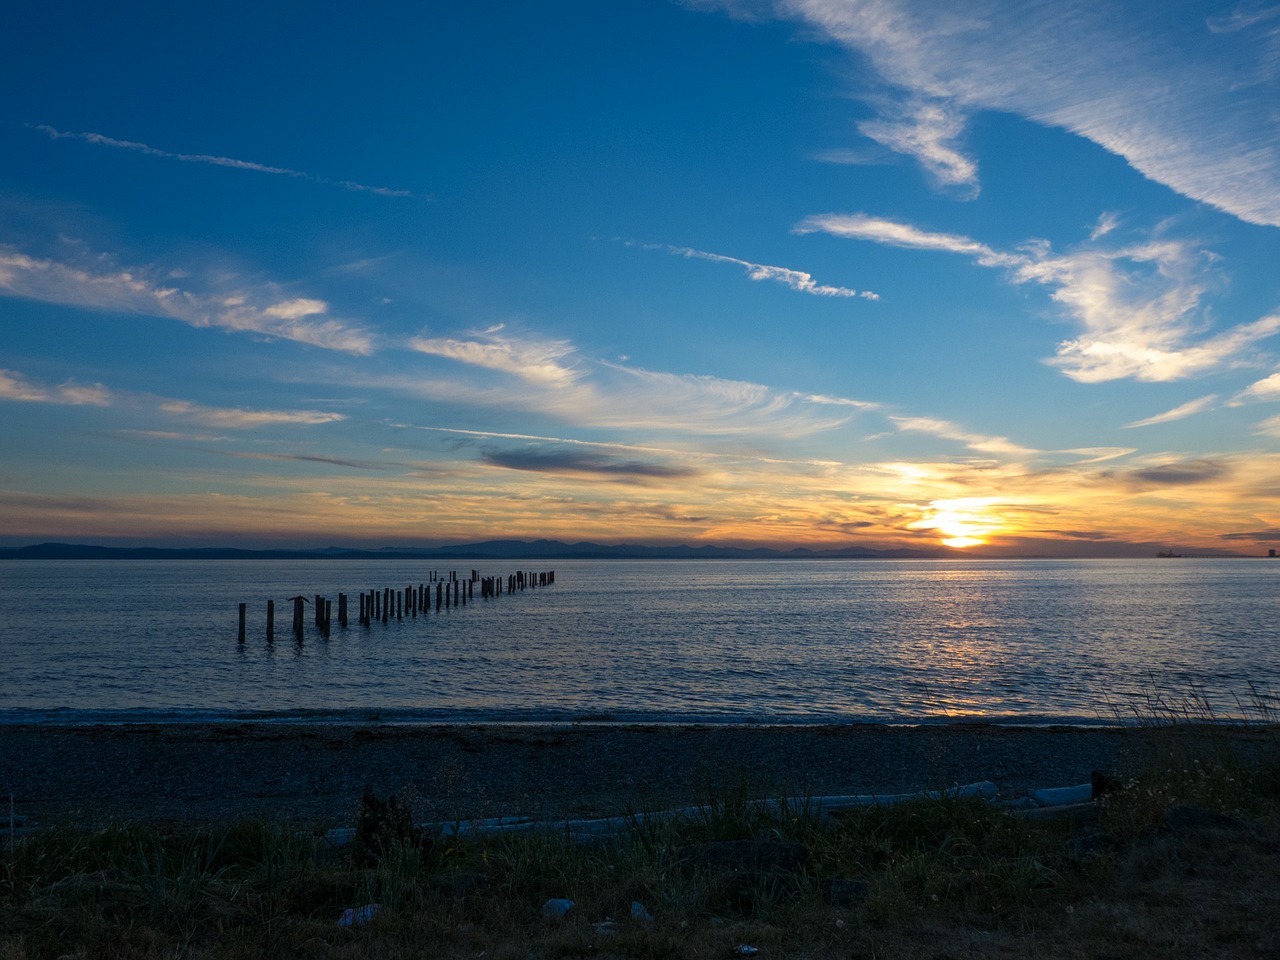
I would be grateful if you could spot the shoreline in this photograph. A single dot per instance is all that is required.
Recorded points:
(54, 719)
(315, 774)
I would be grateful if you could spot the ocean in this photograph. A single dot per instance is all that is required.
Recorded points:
(1086, 641)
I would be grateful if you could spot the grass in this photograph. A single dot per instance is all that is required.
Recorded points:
(1181, 860)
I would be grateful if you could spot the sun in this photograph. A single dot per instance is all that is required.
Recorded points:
(962, 523)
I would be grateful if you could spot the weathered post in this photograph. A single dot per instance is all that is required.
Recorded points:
(328, 616)
(271, 620)
(342, 610)
(386, 604)
(240, 637)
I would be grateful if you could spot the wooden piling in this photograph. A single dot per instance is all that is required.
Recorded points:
(271, 620)
(240, 637)
(342, 610)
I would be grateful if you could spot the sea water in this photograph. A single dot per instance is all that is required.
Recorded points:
(655, 641)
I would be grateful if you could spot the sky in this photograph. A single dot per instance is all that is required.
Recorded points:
(999, 276)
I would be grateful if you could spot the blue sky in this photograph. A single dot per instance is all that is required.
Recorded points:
(795, 273)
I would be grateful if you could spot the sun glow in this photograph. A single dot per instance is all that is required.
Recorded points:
(962, 523)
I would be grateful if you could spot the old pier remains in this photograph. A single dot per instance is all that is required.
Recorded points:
(389, 604)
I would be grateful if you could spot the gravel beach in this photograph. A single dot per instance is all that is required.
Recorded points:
(316, 774)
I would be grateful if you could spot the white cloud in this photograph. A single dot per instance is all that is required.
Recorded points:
(216, 161)
(536, 361)
(1270, 427)
(797, 280)
(860, 226)
(239, 418)
(1195, 115)
(552, 378)
(1138, 305)
(1107, 222)
(1100, 454)
(1246, 15)
(296, 309)
(15, 386)
(1267, 388)
(950, 431)
(838, 401)
(930, 131)
(1188, 409)
(135, 290)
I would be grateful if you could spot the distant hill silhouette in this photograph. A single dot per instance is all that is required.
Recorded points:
(487, 550)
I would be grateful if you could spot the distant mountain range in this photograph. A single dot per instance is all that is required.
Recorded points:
(488, 550)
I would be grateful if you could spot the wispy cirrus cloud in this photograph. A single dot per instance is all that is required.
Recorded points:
(829, 401)
(241, 418)
(99, 285)
(538, 361)
(893, 233)
(797, 280)
(16, 386)
(1107, 222)
(1269, 427)
(19, 387)
(931, 131)
(697, 403)
(217, 161)
(1181, 412)
(553, 378)
(1268, 388)
(1138, 304)
(1195, 115)
(1245, 15)
(1100, 454)
(950, 431)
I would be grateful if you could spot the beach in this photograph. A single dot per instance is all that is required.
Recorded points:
(316, 774)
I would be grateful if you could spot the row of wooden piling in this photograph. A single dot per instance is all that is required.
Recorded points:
(390, 603)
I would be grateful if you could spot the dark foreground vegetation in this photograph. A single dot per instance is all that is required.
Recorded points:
(1181, 859)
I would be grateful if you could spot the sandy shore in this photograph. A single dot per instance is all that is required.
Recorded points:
(316, 774)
